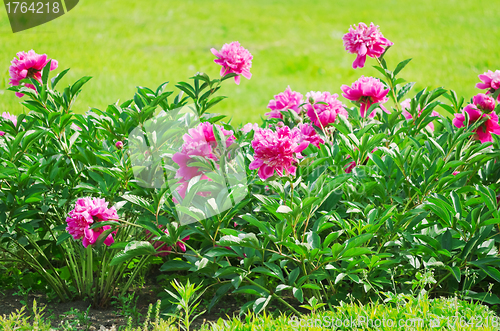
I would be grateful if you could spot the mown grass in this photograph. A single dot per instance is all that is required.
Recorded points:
(124, 43)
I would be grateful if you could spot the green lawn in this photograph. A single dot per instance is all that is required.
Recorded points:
(124, 43)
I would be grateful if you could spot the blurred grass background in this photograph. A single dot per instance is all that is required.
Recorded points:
(127, 43)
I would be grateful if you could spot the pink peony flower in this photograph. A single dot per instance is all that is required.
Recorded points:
(2, 133)
(455, 173)
(234, 59)
(86, 212)
(284, 101)
(326, 113)
(163, 249)
(10, 117)
(406, 105)
(484, 102)
(307, 133)
(29, 65)
(119, 145)
(491, 81)
(199, 141)
(249, 127)
(366, 91)
(276, 151)
(364, 41)
(483, 132)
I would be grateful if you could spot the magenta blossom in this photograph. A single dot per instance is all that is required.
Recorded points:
(249, 127)
(406, 105)
(484, 102)
(119, 145)
(29, 65)
(283, 102)
(86, 212)
(234, 59)
(475, 112)
(9, 117)
(2, 133)
(490, 81)
(366, 91)
(324, 114)
(364, 41)
(307, 133)
(164, 250)
(276, 151)
(199, 141)
(353, 164)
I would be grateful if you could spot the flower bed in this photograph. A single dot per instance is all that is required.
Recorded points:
(321, 202)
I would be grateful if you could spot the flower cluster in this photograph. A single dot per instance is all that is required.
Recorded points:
(28, 65)
(87, 212)
(490, 81)
(364, 41)
(234, 59)
(288, 100)
(199, 141)
(367, 91)
(323, 108)
(277, 151)
(481, 109)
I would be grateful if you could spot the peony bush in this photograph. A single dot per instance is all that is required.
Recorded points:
(341, 200)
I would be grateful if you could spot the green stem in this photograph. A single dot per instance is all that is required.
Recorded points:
(274, 296)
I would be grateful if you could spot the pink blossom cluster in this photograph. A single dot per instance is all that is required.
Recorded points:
(366, 91)
(323, 108)
(364, 41)
(165, 250)
(490, 81)
(88, 211)
(249, 127)
(28, 65)
(482, 107)
(279, 150)
(199, 141)
(406, 105)
(287, 100)
(234, 59)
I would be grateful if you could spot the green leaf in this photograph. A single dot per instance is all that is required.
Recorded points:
(45, 73)
(139, 201)
(283, 209)
(175, 265)
(133, 249)
(76, 87)
(261, 303)
(57, 78)
(400, 66)
(298, 294)
(455, 271)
